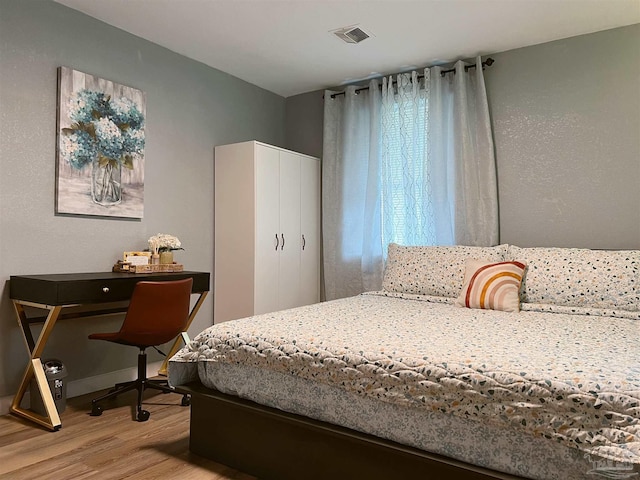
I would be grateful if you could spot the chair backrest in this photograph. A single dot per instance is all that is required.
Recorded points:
(157, 313)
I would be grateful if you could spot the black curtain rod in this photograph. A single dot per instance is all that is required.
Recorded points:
(487, 63)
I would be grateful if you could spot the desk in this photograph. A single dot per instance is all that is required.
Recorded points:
(57, 292)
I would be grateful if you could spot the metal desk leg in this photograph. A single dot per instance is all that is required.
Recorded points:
(184, 337)
(35, 370)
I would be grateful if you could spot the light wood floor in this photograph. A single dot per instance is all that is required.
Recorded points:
(112, 446)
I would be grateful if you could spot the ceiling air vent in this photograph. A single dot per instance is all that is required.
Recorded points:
(351, 34)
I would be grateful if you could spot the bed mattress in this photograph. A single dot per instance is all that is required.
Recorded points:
(566, 383)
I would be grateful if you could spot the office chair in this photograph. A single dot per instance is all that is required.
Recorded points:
(157, 313)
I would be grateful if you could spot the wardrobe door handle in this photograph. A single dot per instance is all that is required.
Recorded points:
(282, 247)
(277, 242)
(304, 242)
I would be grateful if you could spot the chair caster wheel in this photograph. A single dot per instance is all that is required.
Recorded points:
(96, 410)
(186, 400)
(142, 415)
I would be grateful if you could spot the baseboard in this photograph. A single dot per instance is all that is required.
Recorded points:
(5, 404)
(81, 386)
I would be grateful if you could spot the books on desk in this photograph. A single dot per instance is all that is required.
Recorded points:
(163, 267)
(125, 267)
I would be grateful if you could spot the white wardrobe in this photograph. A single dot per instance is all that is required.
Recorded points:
(267, 230)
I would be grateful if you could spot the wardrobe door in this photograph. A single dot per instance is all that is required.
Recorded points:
(309, 231)
(267, 236)
(289, 275)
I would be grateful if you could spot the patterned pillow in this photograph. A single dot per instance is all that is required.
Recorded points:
(492, 286)
(605, 279)
(437, 271)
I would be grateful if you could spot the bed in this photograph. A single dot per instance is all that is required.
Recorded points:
(472, 362)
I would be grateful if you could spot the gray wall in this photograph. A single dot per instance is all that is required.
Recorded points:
(190, 109)
(566, 119)
(303, 123)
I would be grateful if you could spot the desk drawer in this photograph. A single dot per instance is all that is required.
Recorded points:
(95, 291)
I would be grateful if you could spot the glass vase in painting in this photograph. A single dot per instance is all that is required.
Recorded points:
(106, 182)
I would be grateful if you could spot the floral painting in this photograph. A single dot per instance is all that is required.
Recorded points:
(101, 139)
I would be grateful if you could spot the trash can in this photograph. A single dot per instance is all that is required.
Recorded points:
(55, 373)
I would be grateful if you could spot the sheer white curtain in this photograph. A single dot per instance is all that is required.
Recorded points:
(407, 176)
(412, 163)
(461, 140)
(351, 210)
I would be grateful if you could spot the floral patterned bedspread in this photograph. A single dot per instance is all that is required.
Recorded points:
(572, 378)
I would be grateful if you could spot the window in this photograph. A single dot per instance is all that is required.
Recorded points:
(406, 211)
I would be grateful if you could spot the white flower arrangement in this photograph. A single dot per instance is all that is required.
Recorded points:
(163, 242)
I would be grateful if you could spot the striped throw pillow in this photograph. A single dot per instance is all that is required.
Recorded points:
(491, 285)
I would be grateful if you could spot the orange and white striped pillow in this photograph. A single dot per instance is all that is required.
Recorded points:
(491, 285)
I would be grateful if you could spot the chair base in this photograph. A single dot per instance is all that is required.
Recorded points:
(141, 384)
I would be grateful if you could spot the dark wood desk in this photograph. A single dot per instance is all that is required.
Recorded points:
(57, 292)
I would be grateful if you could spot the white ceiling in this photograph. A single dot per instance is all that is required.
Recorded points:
(285, 46)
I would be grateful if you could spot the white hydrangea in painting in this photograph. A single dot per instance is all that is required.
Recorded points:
(101, 138)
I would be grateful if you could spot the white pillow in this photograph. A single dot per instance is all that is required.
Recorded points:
(604, 279)
(437, 271)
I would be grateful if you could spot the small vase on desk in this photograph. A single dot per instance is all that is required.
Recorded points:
(166, 257)
(155, 259)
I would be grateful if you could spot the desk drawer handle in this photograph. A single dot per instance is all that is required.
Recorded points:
(105, 289)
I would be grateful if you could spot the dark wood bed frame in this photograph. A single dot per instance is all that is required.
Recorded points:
(272, 444)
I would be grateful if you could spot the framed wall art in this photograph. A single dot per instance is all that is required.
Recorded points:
(100, 147)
